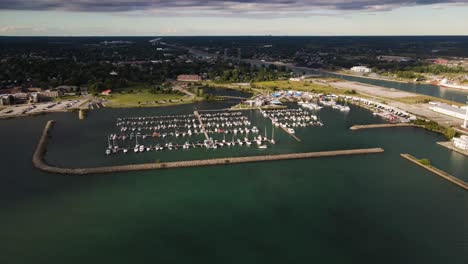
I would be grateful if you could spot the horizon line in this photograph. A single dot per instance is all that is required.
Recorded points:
(268, 35)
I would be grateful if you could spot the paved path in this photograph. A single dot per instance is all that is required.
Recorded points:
(182, 90)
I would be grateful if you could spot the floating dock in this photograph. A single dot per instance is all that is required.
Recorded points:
(371, 126)
(38, 159)
(438, 172)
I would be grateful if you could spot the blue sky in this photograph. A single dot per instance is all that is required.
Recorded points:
(237, 17)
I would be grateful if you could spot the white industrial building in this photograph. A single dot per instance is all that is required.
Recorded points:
(461, 142)
(450, 110)
(361, 69)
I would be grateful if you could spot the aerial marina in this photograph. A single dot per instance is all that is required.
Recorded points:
(231, 149)
(157, 133)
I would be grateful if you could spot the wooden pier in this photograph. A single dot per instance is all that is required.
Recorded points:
(289, 133)
(201, 124)
(38, 159)
(438, 172)
(371, 126)
(284, 128)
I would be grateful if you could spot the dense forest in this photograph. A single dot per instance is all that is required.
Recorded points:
(114, 64)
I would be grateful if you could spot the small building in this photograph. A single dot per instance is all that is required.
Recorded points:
(49, 94)
(296, 79)
(14, 90)
(34, 90)
(34, 98)
(441, 61)
(6, 99)
(84, 90)
(66, 89)
(393, 58)
(189, 78)
(106, 92)
(461, 142)
(361, 69)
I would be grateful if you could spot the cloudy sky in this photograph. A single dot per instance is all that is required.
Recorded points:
(235, 17)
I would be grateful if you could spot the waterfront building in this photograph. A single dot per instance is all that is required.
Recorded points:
(450, 110)
(189, 78)
(106, 92)
(6, 99)
(394, 58)
(461, 142)
(296, 79)
(361, 69)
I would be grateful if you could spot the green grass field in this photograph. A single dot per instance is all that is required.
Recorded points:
(144, 98)
(306, 86)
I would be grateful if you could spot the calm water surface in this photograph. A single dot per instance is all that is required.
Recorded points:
(362, 209)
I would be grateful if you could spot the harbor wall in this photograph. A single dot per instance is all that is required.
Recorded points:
(371, 126)
(438, 172)
(38, 159)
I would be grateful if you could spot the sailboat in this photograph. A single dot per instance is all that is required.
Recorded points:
(272, 136)
(136, 148)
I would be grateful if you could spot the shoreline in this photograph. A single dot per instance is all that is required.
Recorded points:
(449, 145)
(41, 149)
(374, 78)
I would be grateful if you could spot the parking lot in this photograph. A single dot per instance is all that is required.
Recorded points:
(29, 109)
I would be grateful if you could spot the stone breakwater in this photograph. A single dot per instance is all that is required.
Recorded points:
(38, 159)
(437, 172)
(359, 127)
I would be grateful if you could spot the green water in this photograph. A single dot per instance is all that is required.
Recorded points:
(362, 209)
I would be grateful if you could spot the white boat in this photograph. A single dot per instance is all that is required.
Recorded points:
(291, 131)
(345, 109)
(445, 83)
(108, 151)
(263, 147)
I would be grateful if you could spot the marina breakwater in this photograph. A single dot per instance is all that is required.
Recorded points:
(437, 172)
(371, 126)
(38, 159)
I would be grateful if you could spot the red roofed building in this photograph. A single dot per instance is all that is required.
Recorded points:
(106, 92)
(188, 78)
(441, 62)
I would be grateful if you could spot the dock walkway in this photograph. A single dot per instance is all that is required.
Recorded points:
(289, 133)
(38, 159)
(201, 124)
(438, 172)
